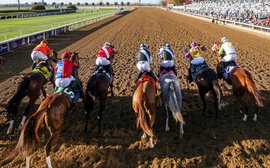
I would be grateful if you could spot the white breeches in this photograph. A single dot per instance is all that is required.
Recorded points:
(230, 57)
(102, 61)
(38, 55)
(167, 64)
(63, 82)
(143, 66)
(196, 61)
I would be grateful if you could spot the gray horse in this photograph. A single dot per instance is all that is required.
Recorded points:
(172, 99)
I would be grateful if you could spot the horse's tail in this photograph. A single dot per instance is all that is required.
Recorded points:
(173, 103)
(141, 119)
(19, 95)
(29, 134)
(218, 92)
(253, 91)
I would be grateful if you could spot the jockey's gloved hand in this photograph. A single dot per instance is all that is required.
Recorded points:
(50, 55)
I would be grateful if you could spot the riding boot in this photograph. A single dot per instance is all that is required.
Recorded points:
(138, 77)
(222, 67)
(34, 65)
(111, 70)
(192, 71)
(189, 77)
(153, 75)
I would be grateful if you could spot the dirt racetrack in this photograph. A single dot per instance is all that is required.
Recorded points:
(208, 142)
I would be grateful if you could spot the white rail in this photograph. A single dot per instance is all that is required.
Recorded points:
(252, 26)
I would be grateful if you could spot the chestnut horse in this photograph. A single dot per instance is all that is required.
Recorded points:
(242, 83)
(31, 85)
(144, 102)
(50, 115)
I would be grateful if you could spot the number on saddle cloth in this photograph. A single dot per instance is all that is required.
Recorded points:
(73, 90)
(43, 70)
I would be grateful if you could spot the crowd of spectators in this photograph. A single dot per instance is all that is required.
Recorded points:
(255, 13)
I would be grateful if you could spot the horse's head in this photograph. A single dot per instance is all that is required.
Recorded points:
(74, 56)
(216, 47)
(54, 56)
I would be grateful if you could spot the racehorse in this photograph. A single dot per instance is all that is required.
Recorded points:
(171, 98)
(30, 86)
(242, 83)
(97, 89)
(144, 101)
(206, 80)
(50, 115)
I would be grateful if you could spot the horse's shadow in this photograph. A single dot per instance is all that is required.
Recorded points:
(206, 142)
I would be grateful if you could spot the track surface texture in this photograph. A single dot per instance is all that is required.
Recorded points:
(208, 142)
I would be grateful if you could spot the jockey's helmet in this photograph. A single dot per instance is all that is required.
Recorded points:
(167, 45)
(194, 44)
(224, 39)
(143, 46)
(66, 55)
(44, 42)
(107, 44)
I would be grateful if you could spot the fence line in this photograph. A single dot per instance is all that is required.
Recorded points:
(252, 26)
(11, 44)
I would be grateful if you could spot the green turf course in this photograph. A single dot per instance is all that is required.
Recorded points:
(23, 26)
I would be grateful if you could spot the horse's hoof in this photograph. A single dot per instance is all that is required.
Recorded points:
(245, 118)
(167, 129)
(255, 118)
(151, 145)
(9, 131)
(181, 137)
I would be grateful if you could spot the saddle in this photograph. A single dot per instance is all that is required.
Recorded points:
(165, 72)
(227, 68)
(102, 69)
(43, 70)
(147, 78)
(73, 90)
(199, 71)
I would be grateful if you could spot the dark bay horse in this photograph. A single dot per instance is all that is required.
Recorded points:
(172, 99)
(206, 81)
(2, 60)
(30, 85)
(97, 89)
(51, 116)
(144, 102)
(242, 84)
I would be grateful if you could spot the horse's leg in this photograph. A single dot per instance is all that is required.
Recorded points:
(48, 147)
(202, 95)
(167, 118)
(181, 131)
(102, 107)
(86, 120)
(27, 160)
(216, 102)
(31, 103)
(244, 107)
(12, 107)
(111, 86)
(43, 92)
(152, 121)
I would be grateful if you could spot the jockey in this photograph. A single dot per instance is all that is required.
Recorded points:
(64, 69)
(40, 52)
(105, 54)
(195, 53)
(227, 54)
(144, 61)
(167, 56)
